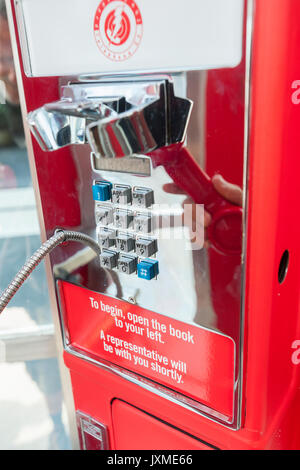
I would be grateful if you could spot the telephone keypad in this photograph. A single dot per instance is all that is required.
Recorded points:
(125, 236)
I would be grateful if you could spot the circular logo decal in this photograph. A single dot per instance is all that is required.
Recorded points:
(118, 28)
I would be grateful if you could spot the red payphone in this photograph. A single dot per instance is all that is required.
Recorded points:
(180, 333)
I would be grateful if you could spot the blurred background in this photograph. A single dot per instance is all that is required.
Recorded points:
(32, 411)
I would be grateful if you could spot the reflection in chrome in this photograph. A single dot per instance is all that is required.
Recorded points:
(199, 285)
(118, 119)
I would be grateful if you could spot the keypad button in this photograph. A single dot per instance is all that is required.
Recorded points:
(122, 230)
(107, 238)
(127, 264)
(102, 191)
(143, 197)
(121, 194)
(143, 223)
(147, 269)
(146, 247)
(104, 215)
(108, 259)
(125, 242)
(122, 218)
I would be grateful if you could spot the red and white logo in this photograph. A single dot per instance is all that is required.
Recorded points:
(118, 28)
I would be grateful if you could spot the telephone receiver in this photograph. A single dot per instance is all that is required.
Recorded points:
(122, 118)
(225, 229)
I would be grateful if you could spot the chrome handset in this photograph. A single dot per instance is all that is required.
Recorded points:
(118, 118)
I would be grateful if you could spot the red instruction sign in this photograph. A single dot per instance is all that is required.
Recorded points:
(189, 359)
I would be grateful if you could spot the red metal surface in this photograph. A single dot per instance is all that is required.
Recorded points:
(192, 360)
(272, 308)
(134, 429)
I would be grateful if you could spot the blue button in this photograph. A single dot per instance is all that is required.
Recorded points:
(147, 269)
(102, 191)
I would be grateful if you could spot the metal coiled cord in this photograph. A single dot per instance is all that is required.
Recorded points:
(60, 236)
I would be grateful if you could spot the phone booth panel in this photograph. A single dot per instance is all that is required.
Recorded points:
(153, 145)
(153, 434)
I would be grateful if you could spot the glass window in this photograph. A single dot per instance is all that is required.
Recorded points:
(31, 402)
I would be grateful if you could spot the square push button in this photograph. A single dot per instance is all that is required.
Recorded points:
(146, 247)
(104, 214)
(121, 194)
(125, 242)
(143, 223)
(127, 264)
(108, 259)
(143, 197)
(102, 191)
(107, 237)
(147, 269)
(122, 218)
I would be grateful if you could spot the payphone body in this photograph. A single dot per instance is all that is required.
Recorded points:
(171, 341)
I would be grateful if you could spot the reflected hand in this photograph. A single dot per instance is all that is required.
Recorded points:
(231, 192)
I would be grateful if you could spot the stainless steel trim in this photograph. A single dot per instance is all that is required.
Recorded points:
(88, 425)
(132, 165)
(23, 37)
(249, 39)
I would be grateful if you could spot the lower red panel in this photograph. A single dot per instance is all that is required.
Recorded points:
(186, 358)
(135, 430)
